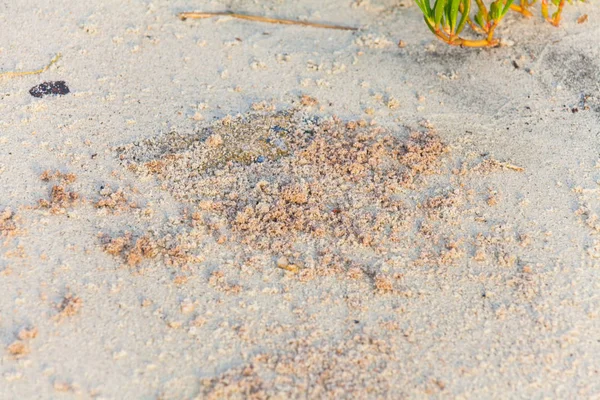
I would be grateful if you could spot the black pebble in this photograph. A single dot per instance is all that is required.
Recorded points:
(49, 88)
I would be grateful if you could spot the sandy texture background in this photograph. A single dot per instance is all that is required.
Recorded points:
(226, 209)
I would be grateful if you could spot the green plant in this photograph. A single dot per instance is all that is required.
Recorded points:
(448, 18)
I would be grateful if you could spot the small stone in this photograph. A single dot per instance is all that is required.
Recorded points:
(175, 324)
(28, 333)
(187, 306)
(214, 140)
(283, 262)
(308, 101)
(117, 355)
(18, 348)
(62, 386)
(13, 376)
(393, 103)
(49, 88)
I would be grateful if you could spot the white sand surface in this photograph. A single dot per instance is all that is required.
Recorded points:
(423, 223)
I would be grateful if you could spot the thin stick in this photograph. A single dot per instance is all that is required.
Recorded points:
(257, 18)
(15, 74)
(511, 167)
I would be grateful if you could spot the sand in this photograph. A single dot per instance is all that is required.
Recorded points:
(230, 209)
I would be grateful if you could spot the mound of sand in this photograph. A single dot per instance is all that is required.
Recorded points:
(320, 197)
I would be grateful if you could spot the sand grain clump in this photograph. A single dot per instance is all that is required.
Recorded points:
(325, 194)
(61, 197)
(114, 200)
(69, 306)
(7, 223)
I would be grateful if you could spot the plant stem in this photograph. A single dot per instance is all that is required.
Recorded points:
(483, 10)
(490, 37)
(557, 15)
(521, 9)
(458, 41)
(474, 26)
(545, 9)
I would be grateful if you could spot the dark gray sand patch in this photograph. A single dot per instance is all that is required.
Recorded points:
(311, 370)
(243, 140)
(576, 70)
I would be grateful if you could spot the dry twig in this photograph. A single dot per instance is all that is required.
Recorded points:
(257, 18)
(511, 167)
(15, 74)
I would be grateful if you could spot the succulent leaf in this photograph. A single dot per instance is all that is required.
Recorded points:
(465, 15)
(479, 19)
(454, 6)
(424, 9)
(495, 10)
(439, 11)
(506, 7)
